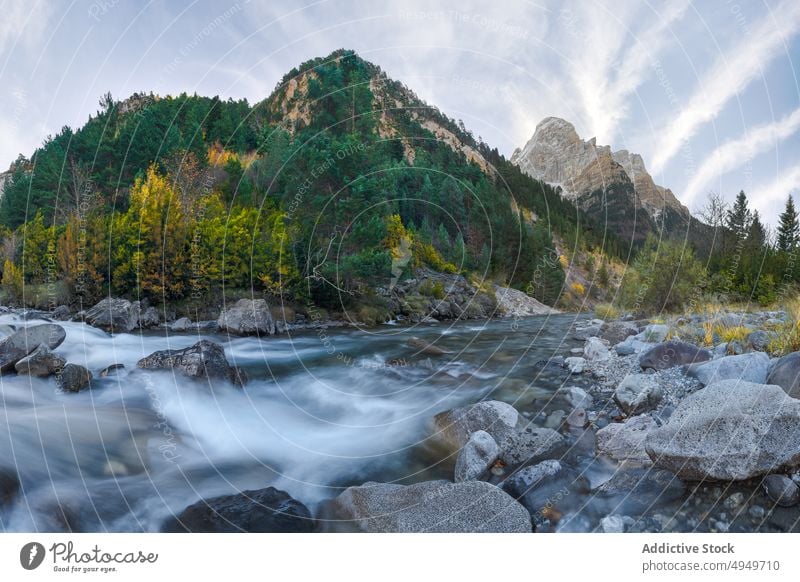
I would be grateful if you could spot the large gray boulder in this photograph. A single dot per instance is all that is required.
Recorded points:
(74, 378)
(113, 315)
(24, 341)
(454, 427)
(638, 393)
(673, 353)
(729, 430)
(477, 456)
(247, 317)
(625, 441)
(530, 444)
(750, 367)
(205, 359)
(41, 362)
(617, 331)
(786, 374)
(432, 506)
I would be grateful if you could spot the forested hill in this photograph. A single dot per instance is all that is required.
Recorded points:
(339, 182)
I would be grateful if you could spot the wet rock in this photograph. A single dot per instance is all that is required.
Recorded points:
(454, 427)
(24, 341)
(111, 370)
(113, 315)
(542, 488)
(735, 501)
(247, 317)
(263, 511)
(9, 485)
(432, 506)
(757, 511)
(759, 340)
(672, 353)
(74, 378)
(181, 325)
(424, 347)
(617, 331)
(750, 367)
(730, 430)
(595, 350)
(654, 333)
(205, 359)
(61, 313)
(638, 489)
(638, 393)
(576, 365)
(148, 318)
(625, 441)
(41, 362)
(530, 444)
(612, 524)
(576, 397)
(786, 374)
(781, 490)
(476, 457)
(577, 418)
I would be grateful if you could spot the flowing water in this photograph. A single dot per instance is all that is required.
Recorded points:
(322, 410)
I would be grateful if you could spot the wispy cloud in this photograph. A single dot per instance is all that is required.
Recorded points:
(734, 153)
(777, 190)
(728, 76)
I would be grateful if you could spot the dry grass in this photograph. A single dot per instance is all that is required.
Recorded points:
(606, 311)
(788, 339)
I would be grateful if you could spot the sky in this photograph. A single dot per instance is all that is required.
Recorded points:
(707, 92)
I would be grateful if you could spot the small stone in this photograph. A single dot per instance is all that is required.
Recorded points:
(577, 418)
(612, 524)
(757, 511)
(595, 350)
(111, 370)
(638, 393)
(576, 365)
(734, 501)
(781, 490)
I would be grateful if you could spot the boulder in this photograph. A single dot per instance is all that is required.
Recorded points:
(247, 317)
(61, 313)
(113, 315)
(781, 490)
(74, 378)
(149, 318)
(431, 506)
(631, 345)
(40, 362)
(181, 325)
(625, 441)
(539, 488)
(617, 331)
(595, 350)
(654, 333)
(530, 444)
(24, 341)
(576, 364)
(730, 430)
(786, 374)
(759, 340)
(576, 397)
(205, 359)
(454, 427)
(266, 510)
(638, 393)
(750, 367)
(476, 457)
(673, 353)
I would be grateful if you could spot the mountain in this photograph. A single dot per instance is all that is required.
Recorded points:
(614, 185)
(340, 182)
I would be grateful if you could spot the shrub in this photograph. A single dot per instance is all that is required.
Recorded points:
(578, 288)
(12, 281)
(606, 311)
(431, 289)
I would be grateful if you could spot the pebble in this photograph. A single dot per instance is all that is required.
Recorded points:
(757, 511)
(735, 500)
(612, 524)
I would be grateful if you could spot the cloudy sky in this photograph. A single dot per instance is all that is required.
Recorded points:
(707, 92)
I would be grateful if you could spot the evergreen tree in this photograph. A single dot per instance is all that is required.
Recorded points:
(788, 228)
(739, 217)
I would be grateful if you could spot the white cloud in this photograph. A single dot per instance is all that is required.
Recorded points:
(731, 73)
(736, 152)
(766, 197)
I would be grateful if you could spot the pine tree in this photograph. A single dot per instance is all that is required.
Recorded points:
(788, 229)
(739, 217)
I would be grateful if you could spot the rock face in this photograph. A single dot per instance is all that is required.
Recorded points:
(729, 430)
(41, 362)
(263, 511)
(476, 457)
(671, 354)
(455, 426)
(638, 393)
(786, 374)
(205, 359)
(113, 315)
(432, 506)
(584, 171)
(625, 441)
(23, 342)
(247, 317)
(74, 378)
(750, 367)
